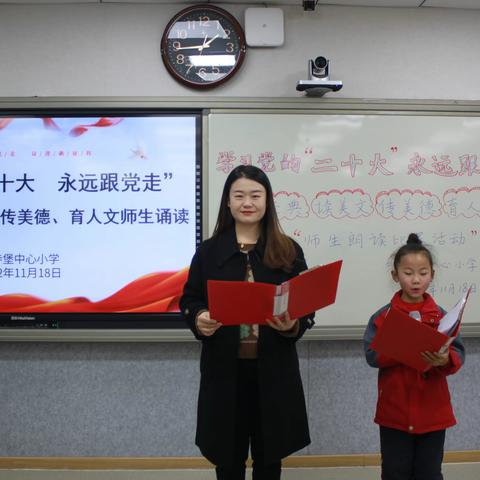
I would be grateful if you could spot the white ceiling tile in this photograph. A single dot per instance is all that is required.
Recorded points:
(180, 3)
(373, 3)
(360, 3)
(474, 4)
(40, 2)
(452, 3)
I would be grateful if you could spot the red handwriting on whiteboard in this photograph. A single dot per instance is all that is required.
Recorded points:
(417, 164)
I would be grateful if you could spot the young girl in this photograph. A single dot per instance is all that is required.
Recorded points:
(250, 388)
(413, 409)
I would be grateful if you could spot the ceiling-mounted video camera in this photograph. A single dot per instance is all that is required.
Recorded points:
(318, 82)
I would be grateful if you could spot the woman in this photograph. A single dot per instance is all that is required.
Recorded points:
(250, 389)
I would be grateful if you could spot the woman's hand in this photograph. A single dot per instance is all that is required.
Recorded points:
(206, 325)
(436, 359)
(283, 323)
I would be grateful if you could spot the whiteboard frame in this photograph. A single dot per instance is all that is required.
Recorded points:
(211, 105)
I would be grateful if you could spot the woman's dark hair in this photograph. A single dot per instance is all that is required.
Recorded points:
(279, 248)
(413, 245)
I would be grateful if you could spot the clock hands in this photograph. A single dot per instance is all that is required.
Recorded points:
(199, 47)
(206, 44)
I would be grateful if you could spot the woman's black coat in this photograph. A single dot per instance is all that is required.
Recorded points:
(282, 400)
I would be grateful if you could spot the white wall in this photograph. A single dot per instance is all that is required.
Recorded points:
(113, 50)
(135, 399)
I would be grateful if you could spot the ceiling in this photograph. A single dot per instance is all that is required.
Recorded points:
(469, 4)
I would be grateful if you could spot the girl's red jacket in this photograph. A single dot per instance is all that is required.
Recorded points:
(408, 400)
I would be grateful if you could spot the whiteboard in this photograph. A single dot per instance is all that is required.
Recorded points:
(353, 186)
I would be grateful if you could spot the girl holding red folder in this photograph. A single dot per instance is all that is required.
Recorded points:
(251, 393)
(413, 409)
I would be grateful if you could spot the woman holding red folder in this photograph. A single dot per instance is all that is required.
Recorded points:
(251, 393)
(413, 408)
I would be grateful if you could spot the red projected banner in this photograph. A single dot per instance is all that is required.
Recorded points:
(157, 292)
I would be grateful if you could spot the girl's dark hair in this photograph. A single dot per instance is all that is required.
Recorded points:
(413, 245)
(279, 248)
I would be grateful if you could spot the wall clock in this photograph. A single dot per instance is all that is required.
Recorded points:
(203, 46)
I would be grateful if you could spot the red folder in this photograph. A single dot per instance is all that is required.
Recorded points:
(313, 289)
(235, 303)
(403, 338)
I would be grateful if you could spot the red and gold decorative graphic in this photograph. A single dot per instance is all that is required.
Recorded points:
(50, 124)
(103, 122)
(4, 122)
(153, 293)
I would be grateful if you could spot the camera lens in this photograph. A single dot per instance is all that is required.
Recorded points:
(320, 62)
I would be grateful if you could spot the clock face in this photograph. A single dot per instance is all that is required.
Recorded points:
(203, 46)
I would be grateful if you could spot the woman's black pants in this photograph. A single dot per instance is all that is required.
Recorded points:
(248, 430)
